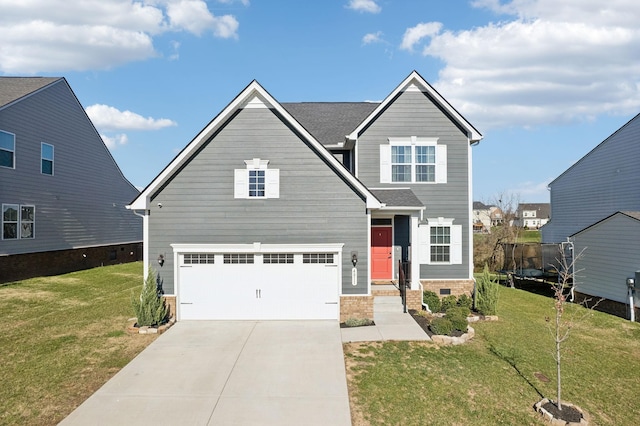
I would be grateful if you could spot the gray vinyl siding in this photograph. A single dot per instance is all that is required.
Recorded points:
(601, 183)
(414, 114)
(315, 205)
(83, 203)
(610, 256)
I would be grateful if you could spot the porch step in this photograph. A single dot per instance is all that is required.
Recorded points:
(387, 304)
(385, 290)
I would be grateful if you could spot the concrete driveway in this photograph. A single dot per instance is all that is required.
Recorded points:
(229, 373)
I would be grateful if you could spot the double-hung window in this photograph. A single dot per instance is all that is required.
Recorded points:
(18, 221)
(440, 242)
(46, 159)
(413, 160)
(257, 180)
(7, 149)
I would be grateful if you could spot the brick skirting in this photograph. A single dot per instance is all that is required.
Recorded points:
(454, 287)
(22, 266)
(356, 307)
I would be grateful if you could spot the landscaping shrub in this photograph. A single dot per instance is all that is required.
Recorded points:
(448, 302)
(465, 301)
(487, 293)
(149, 306)
(457, 315)
(357, 322)
(432, 300)
(441, 326)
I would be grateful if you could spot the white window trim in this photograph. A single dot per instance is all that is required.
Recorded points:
(42, 144)
(385, 159)
(424, 237)
(13, 151)
(19, 222)
(241, 180)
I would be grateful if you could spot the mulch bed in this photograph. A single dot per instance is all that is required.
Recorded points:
(568, 413)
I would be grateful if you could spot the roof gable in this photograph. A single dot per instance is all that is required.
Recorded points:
(253, 96)
(415, 82)
(13, 89)
(630, 214)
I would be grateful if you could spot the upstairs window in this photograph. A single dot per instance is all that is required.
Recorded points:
(7, 149)
(413, 160)
(256, 181)
(46, 159)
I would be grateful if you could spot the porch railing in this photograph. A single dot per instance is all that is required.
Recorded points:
(404, 277)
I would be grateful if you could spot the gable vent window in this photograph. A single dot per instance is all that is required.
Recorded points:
(413, 160)
(238, 258)
(7, 149)
(317, 258)
(256, 181)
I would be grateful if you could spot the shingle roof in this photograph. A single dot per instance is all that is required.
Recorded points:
(14, 88)
(397, 197)
(479, 205)
(330, 122)
(635, 215)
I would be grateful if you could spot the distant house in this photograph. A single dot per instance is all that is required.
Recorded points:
(597, 197)
(62, 195)
(293, 210)
(533, 215)
(481, 217)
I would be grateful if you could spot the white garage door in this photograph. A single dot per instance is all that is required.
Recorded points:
(268, 284)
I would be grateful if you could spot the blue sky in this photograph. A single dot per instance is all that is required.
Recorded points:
(544, 81)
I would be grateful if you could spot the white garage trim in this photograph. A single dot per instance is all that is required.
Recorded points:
(283, 298)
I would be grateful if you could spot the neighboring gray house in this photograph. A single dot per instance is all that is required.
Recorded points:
(533, 215)
(292, 210)
(62, 195)
(588, 198)
(610, 255)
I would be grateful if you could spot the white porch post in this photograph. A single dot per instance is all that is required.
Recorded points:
(415, 252)
(145, 244)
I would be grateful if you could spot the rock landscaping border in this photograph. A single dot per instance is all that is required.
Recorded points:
(132, 327)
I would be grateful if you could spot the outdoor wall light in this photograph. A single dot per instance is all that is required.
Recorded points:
(161, 260)
(354, 258)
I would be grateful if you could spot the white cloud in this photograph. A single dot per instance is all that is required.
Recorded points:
(113, 142)
(244, 2)
(372, 38)
(414, 35)
(106, 118)
(64, 35)
(369, 6)
(550, 63)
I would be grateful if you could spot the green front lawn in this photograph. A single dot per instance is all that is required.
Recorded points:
(62, 338)
(497, 377)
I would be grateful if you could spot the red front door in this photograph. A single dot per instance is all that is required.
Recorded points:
(381, 253)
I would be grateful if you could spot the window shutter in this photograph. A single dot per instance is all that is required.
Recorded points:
(241, 183)
(424, 236)
(272, 180)
(456, 245)
(385, 163)
(441, 164)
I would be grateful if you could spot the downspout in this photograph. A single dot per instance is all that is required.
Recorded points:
(145, 241)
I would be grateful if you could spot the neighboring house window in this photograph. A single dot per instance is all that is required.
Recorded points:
(18, 221)
(440, 242)
(46, 159)
(7, 149)
(413, 160)
(256, 180)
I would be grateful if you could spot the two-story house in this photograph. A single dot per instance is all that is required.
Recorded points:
(595, 206)
(532, 215)
(292, 210)
(62, 195)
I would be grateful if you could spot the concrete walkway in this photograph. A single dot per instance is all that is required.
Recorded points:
(389, 326)
(229, 373)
